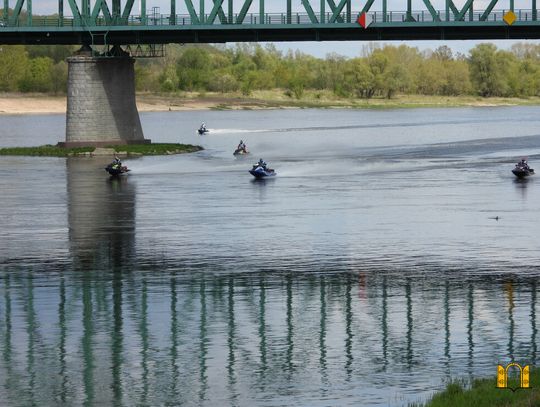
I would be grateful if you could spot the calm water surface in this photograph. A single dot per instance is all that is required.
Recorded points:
(370, 271)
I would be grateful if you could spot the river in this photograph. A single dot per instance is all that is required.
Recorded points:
(393, 252)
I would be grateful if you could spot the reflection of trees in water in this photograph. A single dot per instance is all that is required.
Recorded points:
(159, 335)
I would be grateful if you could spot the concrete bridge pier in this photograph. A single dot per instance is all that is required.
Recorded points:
(101, 107)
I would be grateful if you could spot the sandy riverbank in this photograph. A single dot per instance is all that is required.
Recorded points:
(22, 104)
(44, 104)
(11, 104)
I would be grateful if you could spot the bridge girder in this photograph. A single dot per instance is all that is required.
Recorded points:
(228, 21)
(336, 32)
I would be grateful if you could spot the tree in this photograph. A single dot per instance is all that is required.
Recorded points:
(358, 79)
(430, 76)
(193, 69)
(378, 65)
(168, 80)
(248, 84)
(296, 87)
(526, 51)
(223, 82)
(59, 73)
(13, 62)
(457, 78)
(443, 53)
(56, 52)
(37, 76)
(487, 70)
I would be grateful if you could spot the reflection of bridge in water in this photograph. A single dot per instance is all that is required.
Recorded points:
(114, 332)
(152, 339)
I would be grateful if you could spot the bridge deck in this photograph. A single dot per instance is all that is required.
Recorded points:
(162, 29)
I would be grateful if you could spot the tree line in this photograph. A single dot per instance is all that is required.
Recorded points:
(381, 71)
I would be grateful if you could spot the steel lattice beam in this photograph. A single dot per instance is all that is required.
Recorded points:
(113, 14)
(247, 20)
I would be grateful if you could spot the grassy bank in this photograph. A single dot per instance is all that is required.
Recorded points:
(279, 98)
(123, 150)
(483, 393)
(155, 149)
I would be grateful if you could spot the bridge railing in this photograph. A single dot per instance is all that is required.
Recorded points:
(422, 16)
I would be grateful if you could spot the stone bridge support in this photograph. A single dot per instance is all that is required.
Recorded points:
(101, 107)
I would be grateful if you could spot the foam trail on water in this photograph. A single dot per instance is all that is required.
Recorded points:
(236, 131)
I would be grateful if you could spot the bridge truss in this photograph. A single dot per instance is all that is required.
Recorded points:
(214, 21)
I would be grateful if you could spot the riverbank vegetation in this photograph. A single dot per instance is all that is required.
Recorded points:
(247, 69)
(483, 393)
(124, 150)
(276, 99)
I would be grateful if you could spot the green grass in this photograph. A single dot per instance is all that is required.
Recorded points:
(132, 149)
(483, 393)
(277, 98)
(156, 148)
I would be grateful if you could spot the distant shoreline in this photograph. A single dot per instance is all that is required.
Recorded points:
(16, 104)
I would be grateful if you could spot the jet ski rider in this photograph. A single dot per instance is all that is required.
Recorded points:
(242, 147)
(261, 164)
(523, 164)
(116, 163)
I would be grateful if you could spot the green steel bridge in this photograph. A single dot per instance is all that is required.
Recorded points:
(217, 21)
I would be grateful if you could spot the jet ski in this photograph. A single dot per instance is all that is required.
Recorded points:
(522, 172)
(522, 169)
(115, 169)
(202, 130)
(260, 172)
(240, 151)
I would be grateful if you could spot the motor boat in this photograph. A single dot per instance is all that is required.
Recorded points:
(240, 151)
(522, 169)
(115, 169)
(260, 172)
